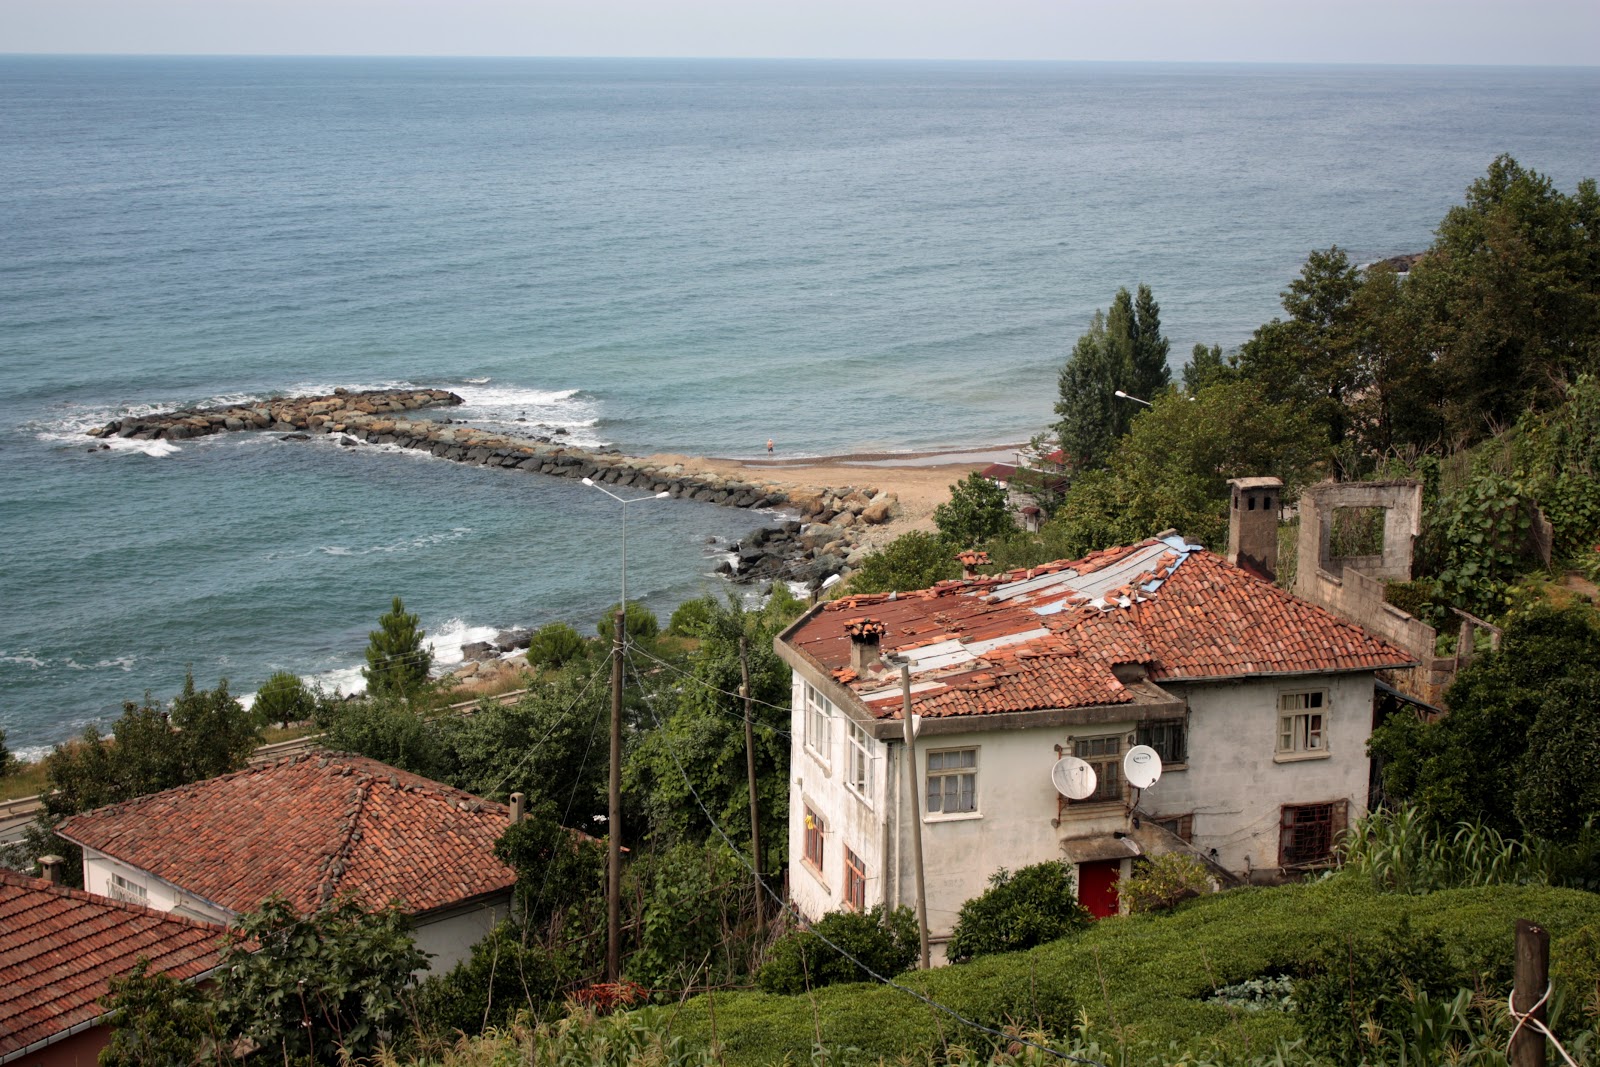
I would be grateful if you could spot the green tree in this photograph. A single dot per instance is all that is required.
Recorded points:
(215, 734)
(1208, 367)
(1035, 905)
(8, 762)
(559, 871)
(1124, 349)
(324, 987)
(158, 1021)
(977, 510)
(284, 698)
(389, 730)
(886, 942)
(555, 644)
(397, 661)
(1558, 778)
(914, 560)
(640, 623)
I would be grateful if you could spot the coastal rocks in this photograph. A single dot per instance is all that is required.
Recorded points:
(284, 414)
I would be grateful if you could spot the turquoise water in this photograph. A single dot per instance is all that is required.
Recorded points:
(660, 255)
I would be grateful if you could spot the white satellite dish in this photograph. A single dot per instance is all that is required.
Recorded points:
(1141, 766)
(1073, 778)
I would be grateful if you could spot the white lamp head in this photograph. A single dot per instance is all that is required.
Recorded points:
(662, 495)
(589, 482)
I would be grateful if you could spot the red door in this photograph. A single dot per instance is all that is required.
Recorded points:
(1097, 887)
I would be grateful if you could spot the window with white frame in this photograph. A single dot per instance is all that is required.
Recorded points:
(860, 778)
(952, 781)
(120, 888)
(819, 712)
(1104, 754)
(1302, 723)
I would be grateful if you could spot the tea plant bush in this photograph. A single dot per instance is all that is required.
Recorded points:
(886, 942)
(1037, 904)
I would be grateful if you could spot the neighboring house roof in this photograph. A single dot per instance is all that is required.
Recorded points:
(999, 472)
(307, 828)
(59, 947)
(1049, 637)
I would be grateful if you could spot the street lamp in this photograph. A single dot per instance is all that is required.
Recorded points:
(614, 814)
(1135, 399)
(592, 484)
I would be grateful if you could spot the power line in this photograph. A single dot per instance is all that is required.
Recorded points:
(559, 719)
(786, 906)
(735, 696)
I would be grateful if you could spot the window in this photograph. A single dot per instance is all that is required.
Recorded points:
(1181, 826)
(1169, 737)
(952, 781)
(1307, 832)
(1301, 723)
(861, 762)
(122, 889)
(855, 882)
(814, 841)
(818, 710)
(1104, 754)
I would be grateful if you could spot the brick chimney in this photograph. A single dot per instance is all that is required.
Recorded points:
(970, 561)
(866, 637)
(51, 869)
(1253, 524)
(519, 807)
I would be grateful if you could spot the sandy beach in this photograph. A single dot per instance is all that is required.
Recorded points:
(921, 480)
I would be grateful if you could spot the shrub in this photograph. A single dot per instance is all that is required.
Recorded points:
(640, 623)
(692, 617)
(1354, 992)
(884, 942)
(7, 761)
(284, 698)
(556, 644)
(1161, 882)
(1035, 905)
(508, 972)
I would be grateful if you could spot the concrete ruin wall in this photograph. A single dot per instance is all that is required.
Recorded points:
(1402, 522)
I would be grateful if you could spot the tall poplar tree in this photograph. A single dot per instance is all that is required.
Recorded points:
(1124, 349)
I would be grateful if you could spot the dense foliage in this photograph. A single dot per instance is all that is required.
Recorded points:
(397, 661)
(1162, 882)
(556, 644)
(976, 511)
(1037, 904)
(843, 946)
(1123, 350)
(284, 698)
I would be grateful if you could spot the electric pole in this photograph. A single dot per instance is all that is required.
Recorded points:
(916, 808)
(750, 767)
(614, 816)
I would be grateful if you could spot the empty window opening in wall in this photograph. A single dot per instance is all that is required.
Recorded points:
(814, 838)
(1169, 737)
(952, 781)
(860, 761)
(1302, 723)
(1104, 754)
(818, 713)
(855, 882)
(1308, 832)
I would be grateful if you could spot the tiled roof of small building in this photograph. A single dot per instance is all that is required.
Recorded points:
(307, 828)
(59, 947)
(1049, 636)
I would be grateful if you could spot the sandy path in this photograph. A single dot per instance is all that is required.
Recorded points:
(921, 480)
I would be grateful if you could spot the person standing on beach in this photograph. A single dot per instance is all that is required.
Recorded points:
(769, 446)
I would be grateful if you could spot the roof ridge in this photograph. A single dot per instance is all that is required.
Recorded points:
(337, 863)
(25, 881)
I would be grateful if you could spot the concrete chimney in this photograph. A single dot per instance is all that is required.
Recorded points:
(519, 807)
(970, 561)
(866, 639)
(52, 868)
(1253, 524)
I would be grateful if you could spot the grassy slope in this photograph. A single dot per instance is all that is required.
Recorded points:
(1142, 975)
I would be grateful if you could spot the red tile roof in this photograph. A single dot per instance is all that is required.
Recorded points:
(1049, 636)
(58, 948)
(309, 827)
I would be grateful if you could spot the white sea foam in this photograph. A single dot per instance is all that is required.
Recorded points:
(148, 448)
(24, 657)
(122, 663)
(446, 643)
(526, 411)
(425, 541)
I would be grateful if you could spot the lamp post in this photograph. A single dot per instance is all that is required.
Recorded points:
(1135, 399)
(614, 815)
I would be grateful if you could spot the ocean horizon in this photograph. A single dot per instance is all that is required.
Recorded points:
(656, 255)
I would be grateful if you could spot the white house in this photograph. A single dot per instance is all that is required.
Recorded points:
(308, 828)
(1258, 702)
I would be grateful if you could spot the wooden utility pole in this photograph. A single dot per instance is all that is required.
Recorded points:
(750, 769)
(614, 815)
(1532, 980)
(916, 809)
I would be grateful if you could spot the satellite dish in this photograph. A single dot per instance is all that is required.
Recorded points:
(1073, 778)
(1141, 766)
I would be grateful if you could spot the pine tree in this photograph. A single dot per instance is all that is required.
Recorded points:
(397, 662)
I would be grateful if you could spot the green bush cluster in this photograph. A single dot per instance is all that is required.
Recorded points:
(837, 946)
(1035, 905)
(1162, 882)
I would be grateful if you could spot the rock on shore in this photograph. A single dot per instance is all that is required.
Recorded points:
(823, 539)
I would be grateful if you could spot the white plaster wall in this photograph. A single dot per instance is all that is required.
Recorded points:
(1234, 783)
(449, 939)
(160, 895)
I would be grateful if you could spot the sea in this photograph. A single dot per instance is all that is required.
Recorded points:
(655, 255)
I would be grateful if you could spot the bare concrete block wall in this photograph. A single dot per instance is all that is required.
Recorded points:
(1402, 504)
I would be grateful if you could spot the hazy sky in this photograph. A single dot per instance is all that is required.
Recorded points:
(1292, 31)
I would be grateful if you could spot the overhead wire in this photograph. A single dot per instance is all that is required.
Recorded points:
(786, 906)
(715, 689)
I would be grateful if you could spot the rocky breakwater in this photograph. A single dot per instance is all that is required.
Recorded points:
(823, 533)
(337, 412)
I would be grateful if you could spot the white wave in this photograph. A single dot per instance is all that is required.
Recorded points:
(452, 636)
(156, 449)
(122, 663)
(398, 546)
(477, 381)
(25, 658)
(341, 681)
(31, 753)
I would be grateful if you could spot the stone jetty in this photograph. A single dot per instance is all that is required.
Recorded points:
(819, 537)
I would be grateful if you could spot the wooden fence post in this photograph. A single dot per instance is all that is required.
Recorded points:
(1532, 980)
